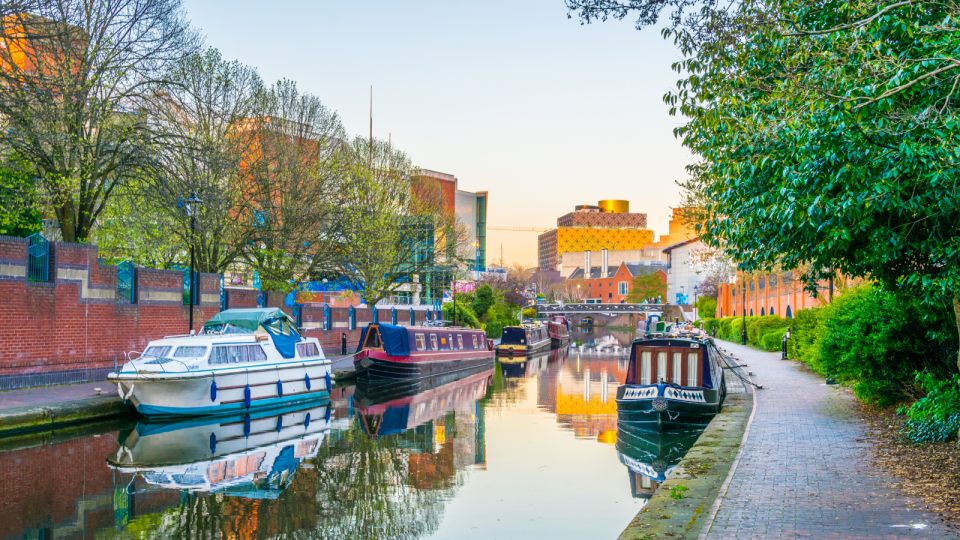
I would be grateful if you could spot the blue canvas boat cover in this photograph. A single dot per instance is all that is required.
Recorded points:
(396, 339)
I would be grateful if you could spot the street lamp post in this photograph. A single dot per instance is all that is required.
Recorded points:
(190, 202)
(695, 287)
(743, 333)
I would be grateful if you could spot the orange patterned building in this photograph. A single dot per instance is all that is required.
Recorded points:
(770, 294)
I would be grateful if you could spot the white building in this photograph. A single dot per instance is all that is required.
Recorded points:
(684, 271)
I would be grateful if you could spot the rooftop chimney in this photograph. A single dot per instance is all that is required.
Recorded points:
(603, 263)
(586, 264)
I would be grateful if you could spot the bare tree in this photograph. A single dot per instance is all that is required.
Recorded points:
(74, 76)
(294, 179)
(195, 115)
(394, 229)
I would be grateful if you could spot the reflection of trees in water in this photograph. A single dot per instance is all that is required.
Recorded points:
(503, 392)
(585, 335)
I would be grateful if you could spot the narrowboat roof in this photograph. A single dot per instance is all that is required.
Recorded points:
(396, 339)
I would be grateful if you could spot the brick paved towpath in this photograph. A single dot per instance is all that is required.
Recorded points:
(805, 472)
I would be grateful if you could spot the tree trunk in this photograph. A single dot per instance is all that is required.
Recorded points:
(956, 315)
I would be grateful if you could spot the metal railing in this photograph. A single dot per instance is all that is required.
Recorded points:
(38, 258)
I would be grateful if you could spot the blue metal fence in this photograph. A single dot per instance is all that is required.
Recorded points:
(297, 316)
(186, 287)
(38, 258)
(262, 299)
(223, 293)
(126, 274)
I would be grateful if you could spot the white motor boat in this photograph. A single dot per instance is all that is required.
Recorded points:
(242, 359)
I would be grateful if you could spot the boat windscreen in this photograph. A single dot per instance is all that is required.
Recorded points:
(514, 336)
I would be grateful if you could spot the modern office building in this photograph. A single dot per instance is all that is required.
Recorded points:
(470, 209)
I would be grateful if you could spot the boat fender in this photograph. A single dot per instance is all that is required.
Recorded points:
(326, 377)
(279, 423)
(213, 391)
(246, 396)
(306, 421)
(213, 443)
(306, 379)
(327, 417)
(280, 388)
(246, 425)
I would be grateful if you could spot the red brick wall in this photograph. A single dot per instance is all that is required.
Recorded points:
(603, 288)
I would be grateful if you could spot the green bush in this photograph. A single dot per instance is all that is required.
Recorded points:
(763, 324)
(803, 335)
(465, 315)
(706, 307)
(483, 298)
(874, 341)
(709, 325)
(935, 417)
(773, 340)
(494, 329)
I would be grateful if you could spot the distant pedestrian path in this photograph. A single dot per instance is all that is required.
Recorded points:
(805, 471)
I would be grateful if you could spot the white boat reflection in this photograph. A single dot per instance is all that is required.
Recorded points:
(253, 456)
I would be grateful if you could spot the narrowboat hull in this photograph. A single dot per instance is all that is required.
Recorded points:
(507, 349)
(372, 392)
(160, 395)
(664, 407)
(558, 341)
(377, 364)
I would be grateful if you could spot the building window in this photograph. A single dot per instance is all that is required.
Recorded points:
(609, 296)
(623, 287)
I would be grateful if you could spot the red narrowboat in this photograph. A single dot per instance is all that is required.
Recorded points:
(401, 352)
(559, 332)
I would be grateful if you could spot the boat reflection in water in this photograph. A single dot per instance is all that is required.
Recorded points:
(395, 407)
(650, 455)
(528, 366)
(253, 455)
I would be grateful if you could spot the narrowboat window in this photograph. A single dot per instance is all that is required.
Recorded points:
(450, 338)
(474, 341)
(157, 352)
(190, 352)
(421, 342)
(233, 354)
(645, 367)
(692, 369)
(661, 366)
(460, 340)
(677, 368)
(306, 350)
(433, 341)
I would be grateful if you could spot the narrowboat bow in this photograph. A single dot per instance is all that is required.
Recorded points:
(671, 382)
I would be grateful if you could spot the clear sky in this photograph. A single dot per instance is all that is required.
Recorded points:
(510, 97)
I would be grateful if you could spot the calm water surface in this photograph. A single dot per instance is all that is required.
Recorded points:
(527, 449)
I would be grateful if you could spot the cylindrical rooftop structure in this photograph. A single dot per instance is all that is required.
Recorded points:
(614, 206)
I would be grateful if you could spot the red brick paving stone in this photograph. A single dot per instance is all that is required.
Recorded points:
(51, 395)
(805, 469)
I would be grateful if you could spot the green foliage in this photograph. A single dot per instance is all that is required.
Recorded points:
(760, 326)
(936, 417)
(464, 314)
(773, 339)
(706, 306)
(806, 326)
(646, 286)
(710, 325)
(483, 298)
(494, 329)
(875, 342)
(530, 313)
(676, 492)
(19, 212)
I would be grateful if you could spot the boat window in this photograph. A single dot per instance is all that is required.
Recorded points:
(692, 369)
(421, 342)
(661, 366)
(234, 354)
(450, 337)
(677, 368)
(460, 340)
(190, 352)
(157, 352)
(306, 350)
(645, 367)
(474, 341)
(433, 341)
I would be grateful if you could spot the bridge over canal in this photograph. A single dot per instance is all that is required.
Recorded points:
(625, 315)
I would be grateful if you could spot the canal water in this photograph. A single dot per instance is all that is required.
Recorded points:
(526, 449)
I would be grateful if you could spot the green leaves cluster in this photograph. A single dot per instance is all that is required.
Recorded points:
(19, 207)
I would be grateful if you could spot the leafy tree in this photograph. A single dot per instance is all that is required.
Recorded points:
(74, 76)
(706, 306)
(483, 298)
(826, 137)
(646, 286)
(19, 211)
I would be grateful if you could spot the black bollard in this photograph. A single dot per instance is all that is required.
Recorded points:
(343, 343)
(785, 337)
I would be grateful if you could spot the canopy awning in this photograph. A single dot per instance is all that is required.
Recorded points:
(249, 319)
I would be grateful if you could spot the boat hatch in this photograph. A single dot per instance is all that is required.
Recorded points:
(373, 340)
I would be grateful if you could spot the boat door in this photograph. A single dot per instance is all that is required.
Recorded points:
(373, 340)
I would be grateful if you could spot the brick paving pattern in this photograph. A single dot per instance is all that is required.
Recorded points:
(805, 469)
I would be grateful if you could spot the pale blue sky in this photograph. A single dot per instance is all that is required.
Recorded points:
(510, 97)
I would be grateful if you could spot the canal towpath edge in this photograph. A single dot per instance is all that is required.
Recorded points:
(701, 475)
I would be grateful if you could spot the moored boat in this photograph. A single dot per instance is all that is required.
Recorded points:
(526, 339)
(242, 359)
(399, 352)
(559, 329)
(671, 382)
